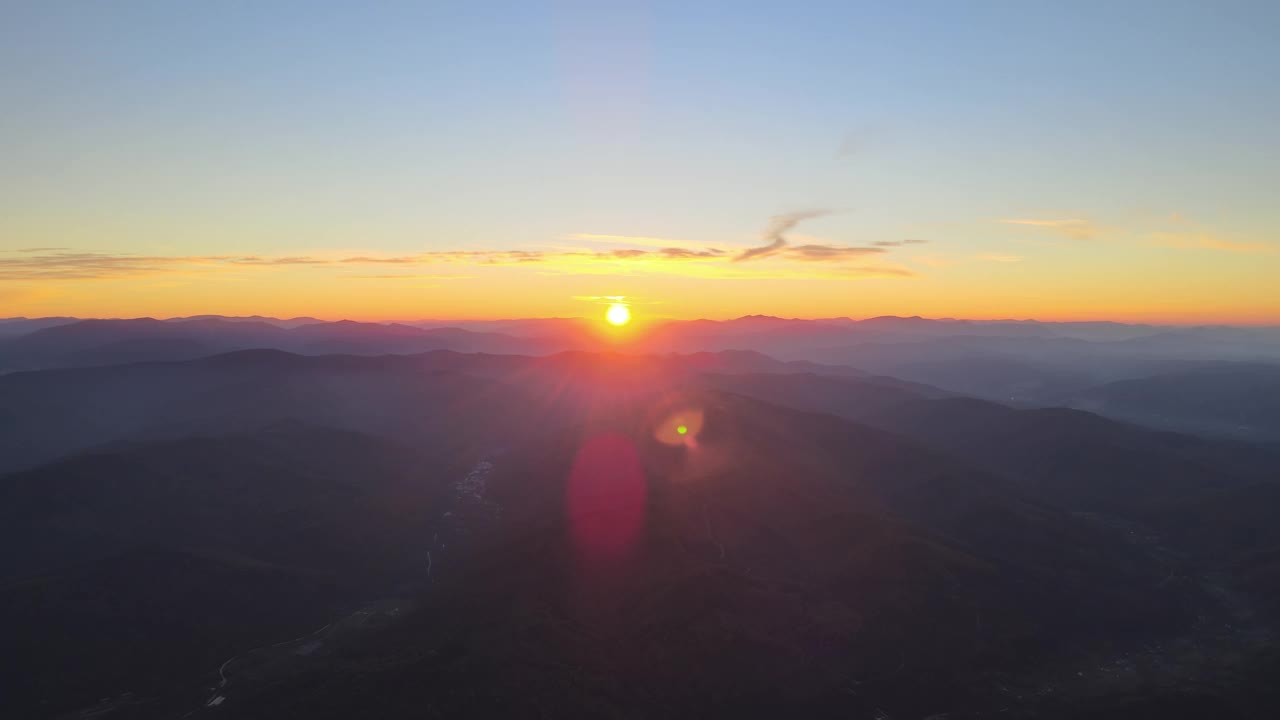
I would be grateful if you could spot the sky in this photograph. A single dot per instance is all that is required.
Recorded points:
(397, 160)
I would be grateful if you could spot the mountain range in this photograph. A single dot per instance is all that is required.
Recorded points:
(1098, 366)
(262, 533)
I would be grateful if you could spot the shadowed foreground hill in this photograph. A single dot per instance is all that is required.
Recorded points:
(142, 567)
(1074, 459)
(786, 562)
(538, 536)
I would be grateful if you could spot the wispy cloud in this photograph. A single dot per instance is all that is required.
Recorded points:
(642, 241)
(678, 252)
(484, 257)
(826, 253)
(615, 255)
(1206, 241)
(854, 271)
(606, 299)
(256, 260)
(379, 260)
(858, 140)
(899, 243)
(1075, 228)
(777, 245)
(774, 235)
(39, 265)
(409, 277)
(81, 266)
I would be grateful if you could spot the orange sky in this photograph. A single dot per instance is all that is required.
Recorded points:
(1052, 276)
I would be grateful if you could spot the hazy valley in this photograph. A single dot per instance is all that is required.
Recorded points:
(445, 531)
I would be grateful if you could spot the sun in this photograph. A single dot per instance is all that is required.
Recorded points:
(618, 314)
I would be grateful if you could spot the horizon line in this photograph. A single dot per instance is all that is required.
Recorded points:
(668, 320)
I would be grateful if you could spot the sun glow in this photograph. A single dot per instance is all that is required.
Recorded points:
(618, 314)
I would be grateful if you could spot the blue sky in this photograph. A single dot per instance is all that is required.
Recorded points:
(287, 128)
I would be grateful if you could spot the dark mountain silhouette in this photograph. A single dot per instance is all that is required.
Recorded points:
(797, 563)
(152, 563)
(87, 343)
(1021, 362)
(278, 322)
(97, 342)
(477, 534)
(1077, 459)
(15, 326)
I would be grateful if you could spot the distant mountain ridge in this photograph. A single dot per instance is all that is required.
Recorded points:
(1230, 399)
(1022, 362)
(85, 343)
(211, 394)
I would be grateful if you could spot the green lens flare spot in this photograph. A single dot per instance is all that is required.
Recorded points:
(682, 429)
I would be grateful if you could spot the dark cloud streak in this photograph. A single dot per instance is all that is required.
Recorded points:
(820, 253)
(775, 234)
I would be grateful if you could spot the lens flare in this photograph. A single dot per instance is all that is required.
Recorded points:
(606, 498)
(618, 314)
(681, 427)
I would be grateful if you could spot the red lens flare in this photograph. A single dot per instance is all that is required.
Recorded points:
(606, 497)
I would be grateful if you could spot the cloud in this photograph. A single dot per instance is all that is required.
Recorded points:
(372, 260)
(676, 253)
(777, 244)
(1205, 241)
(98, 266)
(484, 257)
(39, 249)
(996, 257)
(409, 277)
(640, 240)
(819, 253)
(773, 235)
(256, 260)
(669, 253)
(899, 243)
(858, 140)
(1076, 229)
(605, 299)
(84, 266)
(653, 256)
(874, 271)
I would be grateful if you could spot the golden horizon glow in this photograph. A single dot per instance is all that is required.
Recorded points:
(1195, 277)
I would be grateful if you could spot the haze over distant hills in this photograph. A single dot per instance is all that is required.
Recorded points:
(1022, 362)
